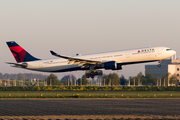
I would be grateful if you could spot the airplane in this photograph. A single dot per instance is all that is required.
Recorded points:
(93, 63)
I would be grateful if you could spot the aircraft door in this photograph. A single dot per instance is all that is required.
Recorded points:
(40, 64)
(128, 55)
(159, 51)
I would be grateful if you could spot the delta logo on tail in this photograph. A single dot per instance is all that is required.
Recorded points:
(19, 53)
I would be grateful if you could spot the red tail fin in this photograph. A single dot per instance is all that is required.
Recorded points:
(19, 53)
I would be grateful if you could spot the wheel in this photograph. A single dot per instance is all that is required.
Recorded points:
(92, 76)
(96, 73)
(159, 65)
(92, 73)
(87, 76)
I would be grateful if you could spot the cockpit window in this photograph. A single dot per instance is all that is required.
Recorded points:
(168, 49)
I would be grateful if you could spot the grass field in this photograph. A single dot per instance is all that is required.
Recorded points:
(86, 94)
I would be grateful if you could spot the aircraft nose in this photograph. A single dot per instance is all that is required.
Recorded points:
(173, 52)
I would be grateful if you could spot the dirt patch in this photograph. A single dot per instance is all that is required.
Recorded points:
(89, 117)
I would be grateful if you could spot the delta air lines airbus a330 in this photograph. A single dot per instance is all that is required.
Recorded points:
(93, 63)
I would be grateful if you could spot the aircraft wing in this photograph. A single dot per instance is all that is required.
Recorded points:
(22, 65)
(78, 61)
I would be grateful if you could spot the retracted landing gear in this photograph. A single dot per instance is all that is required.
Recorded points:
(159, 63)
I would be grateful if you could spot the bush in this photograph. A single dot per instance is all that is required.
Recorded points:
(90, 88)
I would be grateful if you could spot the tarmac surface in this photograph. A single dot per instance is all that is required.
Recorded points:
(80, 106)
(90, 109)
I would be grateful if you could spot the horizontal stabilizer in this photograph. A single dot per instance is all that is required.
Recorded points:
(22, 65)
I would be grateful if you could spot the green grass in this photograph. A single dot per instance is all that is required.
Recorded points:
(90, 94)
(95, 96)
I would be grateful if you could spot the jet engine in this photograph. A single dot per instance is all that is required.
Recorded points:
(112, 65)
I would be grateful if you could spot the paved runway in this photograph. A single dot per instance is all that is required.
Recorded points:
(41, 107)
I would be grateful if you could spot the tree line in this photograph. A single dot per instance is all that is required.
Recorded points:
(21, 76)
(115, 79)
(107, 79)
(150, 79)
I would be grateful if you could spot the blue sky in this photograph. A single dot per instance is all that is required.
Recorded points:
(70, 27)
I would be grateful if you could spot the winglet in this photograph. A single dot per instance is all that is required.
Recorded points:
(57, 55)
(53, 53)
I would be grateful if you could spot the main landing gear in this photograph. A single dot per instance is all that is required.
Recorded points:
(159, 63)
(92, 74)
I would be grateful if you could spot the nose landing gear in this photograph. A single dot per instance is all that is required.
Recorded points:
(159, 63)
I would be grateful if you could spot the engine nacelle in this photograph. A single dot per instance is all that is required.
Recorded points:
(24, 65)
(112, 65)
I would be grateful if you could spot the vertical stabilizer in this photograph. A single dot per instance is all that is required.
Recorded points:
(19, 53)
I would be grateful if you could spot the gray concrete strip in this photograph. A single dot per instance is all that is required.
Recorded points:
(88, 107)
(90, 117)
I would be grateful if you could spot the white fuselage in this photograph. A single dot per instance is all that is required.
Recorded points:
(123, 57)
